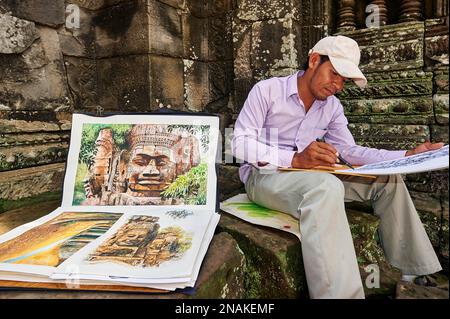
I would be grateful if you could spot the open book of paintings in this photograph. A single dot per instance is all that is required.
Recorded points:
(138, 206)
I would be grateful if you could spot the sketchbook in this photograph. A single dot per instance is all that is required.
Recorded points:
(138, 208)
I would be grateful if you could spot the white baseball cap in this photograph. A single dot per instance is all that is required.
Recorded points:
(344, 55)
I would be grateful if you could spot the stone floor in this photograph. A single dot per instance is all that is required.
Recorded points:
(248, 261)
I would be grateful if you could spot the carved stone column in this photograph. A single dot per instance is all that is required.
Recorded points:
(410, 10)
(440, 8)
(382, 10)
(346, 16)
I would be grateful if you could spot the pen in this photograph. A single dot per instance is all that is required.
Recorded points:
(322, 140)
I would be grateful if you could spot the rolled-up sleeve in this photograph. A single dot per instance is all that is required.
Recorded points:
(251, 142)
(341, 138)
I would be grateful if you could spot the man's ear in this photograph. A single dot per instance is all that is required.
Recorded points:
(314, 60)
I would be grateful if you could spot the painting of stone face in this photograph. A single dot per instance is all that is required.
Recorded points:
(140, 242)
(56, 240)
(142, 164)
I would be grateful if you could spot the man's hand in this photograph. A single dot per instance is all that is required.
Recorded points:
(425, 147)
(315, 154)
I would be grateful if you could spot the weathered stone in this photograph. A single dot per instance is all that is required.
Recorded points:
(35, 79)
(16, 35)
(209, 8)
(395, 107)
(17, 157)
(439, 133)
(258, 10)
(33, 181)
(220, 82)
(392, 84)
(242, 87)
(441, 80)
(166, 83)
(411, 291)
(122, 29)
(283, 275)
(82, 80)
(432, 225)
(120, 87)
(41, 11)
(95, 4)
(223, 270)
(346, 16)
(195, 37)
(307, 37)
(391, 47)
(436, 42)
(180, 4)
(16, 217)
(165, 33)
(138, 27)
(426, 202)
(79, 42)
(242, 49)
(392, 119)
(229, 183)
(8, 126)
(444, 240)
(219, 7)
(207, 86)
(440, 102)
(435, 182)
(274, 58)
(14, 140)
(220, 46)
(274, 261)
(389, 136)
(196, 89)
(364, 229)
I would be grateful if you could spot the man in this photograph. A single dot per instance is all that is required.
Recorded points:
(302, 108)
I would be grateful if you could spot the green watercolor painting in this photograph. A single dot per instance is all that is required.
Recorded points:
(254, 210)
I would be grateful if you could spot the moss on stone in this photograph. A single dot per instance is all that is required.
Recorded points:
(6, 205)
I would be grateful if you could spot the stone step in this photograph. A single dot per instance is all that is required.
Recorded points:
(406, 290)
(28, 182)
(274, 259)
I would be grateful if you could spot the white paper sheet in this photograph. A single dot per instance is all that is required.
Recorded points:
(424, 162)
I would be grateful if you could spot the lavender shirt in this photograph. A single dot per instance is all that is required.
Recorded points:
(273, 125)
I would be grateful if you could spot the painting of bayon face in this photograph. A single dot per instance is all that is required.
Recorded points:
(140, 172)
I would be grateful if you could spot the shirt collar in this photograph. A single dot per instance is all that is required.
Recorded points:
(292, 83)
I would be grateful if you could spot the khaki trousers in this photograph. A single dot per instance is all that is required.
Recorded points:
(317, 200)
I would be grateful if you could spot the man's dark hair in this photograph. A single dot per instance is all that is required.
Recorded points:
(323, 59)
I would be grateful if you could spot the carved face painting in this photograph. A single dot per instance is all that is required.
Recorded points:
(150, 171)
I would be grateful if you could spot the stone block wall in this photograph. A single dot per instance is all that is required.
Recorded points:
(406, 103)
(125, 56)
(35, 99)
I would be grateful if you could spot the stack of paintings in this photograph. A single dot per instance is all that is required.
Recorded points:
(138, 207)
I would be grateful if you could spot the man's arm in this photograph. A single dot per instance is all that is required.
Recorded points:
(250, 139)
